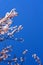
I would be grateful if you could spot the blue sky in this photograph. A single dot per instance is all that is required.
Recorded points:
(31, 17)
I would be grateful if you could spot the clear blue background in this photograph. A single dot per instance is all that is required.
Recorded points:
(31, 17)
